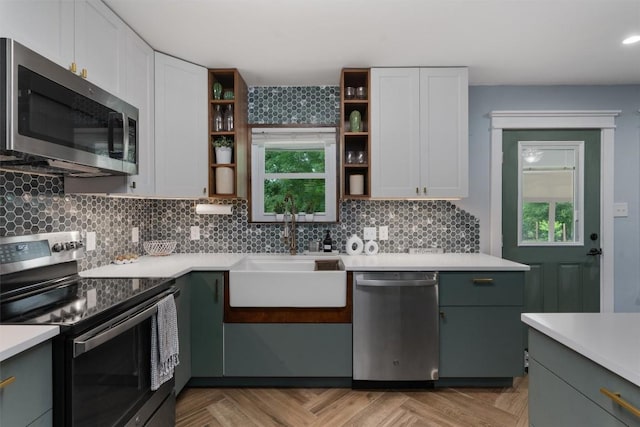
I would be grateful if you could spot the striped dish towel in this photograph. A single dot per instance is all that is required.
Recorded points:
(164, 342)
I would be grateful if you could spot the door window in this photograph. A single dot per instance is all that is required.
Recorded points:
(550, 193)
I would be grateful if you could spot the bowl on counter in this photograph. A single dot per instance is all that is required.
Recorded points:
(159, 247)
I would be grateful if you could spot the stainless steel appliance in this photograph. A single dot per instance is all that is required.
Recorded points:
(395, 328)
(101, 359)
(57, 122)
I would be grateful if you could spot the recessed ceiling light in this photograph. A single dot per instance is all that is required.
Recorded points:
(631, 40)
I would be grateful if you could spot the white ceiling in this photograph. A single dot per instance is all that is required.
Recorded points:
(307, 42)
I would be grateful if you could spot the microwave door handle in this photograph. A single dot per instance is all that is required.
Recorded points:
(125, 138)
(111, 121)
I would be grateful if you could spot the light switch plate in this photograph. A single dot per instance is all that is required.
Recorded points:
(383, 232)
(195, 232)
(369, 233)
(135, 235)
(91, 241)
(91, 298)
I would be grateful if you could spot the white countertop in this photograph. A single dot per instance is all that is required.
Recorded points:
(433, 262)
(15, 339)
(176, 265)
(612, 340)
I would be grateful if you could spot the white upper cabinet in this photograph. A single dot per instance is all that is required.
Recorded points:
(139, 91)
(181, 128)
(81, 32)
(419, 133)
(45, 26)
(99, 45)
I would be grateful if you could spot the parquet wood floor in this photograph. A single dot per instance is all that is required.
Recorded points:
(336, 407)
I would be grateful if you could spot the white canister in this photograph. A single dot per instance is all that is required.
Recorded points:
(224, 181)
(356, 185)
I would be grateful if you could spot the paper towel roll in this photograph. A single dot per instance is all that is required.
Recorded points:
(371, 247)
(356, 185)
(354, 245)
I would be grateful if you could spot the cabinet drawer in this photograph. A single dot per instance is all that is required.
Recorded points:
(482, 288)
(553, 402)
(584, 375)
(31, 394)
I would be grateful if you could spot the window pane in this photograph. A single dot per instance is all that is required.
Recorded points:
(535, 222)
(564, 222)
(308, 160)
(304, 191)
(549, 191)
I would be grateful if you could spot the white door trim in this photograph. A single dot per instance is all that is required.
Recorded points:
(603, 120)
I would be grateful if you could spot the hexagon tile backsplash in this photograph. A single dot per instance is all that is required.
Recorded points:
(37, 204)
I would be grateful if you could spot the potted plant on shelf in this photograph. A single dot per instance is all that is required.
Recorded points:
(309, 210)
(278, 208)
(223, 146)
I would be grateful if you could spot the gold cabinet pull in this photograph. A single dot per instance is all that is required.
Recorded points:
(424, 190)
(83, 74)
(482, 280)
(6, 382)
(73, 67)
(417, 190)
(620, 401)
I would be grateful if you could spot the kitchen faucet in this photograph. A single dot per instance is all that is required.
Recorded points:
(289, 232)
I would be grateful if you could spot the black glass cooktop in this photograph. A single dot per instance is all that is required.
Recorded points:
(81, 299)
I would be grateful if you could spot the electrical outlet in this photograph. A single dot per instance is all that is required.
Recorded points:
(620, 210)
(195, 232)
(383, 232)
(91, 241)
(369, 233)
(135, 235)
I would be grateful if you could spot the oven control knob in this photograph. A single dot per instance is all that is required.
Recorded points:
(57, 247)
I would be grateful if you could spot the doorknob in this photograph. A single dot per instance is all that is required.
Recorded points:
(594, 252)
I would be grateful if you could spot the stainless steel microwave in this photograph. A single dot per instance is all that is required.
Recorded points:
(57, 122)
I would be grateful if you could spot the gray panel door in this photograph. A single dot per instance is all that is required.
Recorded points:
(557, 239)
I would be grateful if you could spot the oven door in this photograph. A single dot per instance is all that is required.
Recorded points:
(110, 374)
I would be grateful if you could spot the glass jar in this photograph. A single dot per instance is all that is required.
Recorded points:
(228, 118)
(217, 120)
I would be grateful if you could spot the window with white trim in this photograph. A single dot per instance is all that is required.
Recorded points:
(299, 161)
(551, 199)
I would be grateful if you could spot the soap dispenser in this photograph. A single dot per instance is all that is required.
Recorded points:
(327, 243)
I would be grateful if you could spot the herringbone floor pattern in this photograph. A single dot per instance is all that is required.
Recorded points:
(336, 407)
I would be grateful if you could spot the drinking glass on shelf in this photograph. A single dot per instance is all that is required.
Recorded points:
(351, 157)
(361, 157)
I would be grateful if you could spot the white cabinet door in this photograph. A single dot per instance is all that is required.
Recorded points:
(100, 45)
(395, 132)
(181, 128)
(139, 92)
(419, 136)
(444, 139)
(45, 26)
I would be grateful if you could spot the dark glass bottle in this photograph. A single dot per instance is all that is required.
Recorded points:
(327, 243)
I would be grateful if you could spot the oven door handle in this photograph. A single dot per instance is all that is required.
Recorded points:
(91, 340)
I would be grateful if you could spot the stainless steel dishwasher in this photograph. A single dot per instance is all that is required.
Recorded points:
(395, 327)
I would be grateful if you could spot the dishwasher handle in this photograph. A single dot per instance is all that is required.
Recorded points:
(391, 283)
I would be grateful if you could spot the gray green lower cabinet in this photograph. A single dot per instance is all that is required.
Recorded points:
(29, 399)
(564, 388)
(183, 308)
(480, 328)
(207, 309)
(287, 350)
